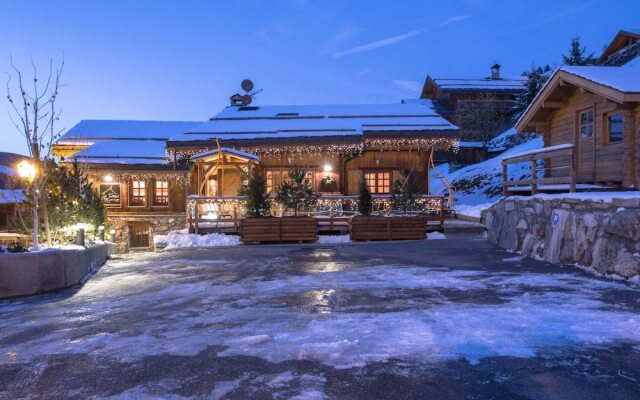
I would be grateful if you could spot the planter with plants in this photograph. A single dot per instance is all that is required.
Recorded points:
(392, 227)
(294, 194)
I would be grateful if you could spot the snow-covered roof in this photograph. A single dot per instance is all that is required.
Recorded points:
(6, 170)
(260, 122)
(470, 145)
(123, 152)
(479, 84)
(625, 79)
(94, 130)
(12, 196)
(239, 153)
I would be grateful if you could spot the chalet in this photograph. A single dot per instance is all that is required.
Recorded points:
(451, 94)
(623, 49)
(11, 192)
(160, 176)
(589, 117)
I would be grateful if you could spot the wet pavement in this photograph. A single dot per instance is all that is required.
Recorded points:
(445, 319)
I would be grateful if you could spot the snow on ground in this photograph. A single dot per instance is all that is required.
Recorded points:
(324, 309)
(436, 235)
(334, 239)
(176, 240)
(477, 186)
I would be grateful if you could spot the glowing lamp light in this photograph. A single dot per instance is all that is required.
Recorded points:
(212, 215)
(26, 170)
(112, 232)
(108, 178)
(327, 168)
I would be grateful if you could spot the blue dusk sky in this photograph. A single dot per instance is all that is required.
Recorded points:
(181, 60)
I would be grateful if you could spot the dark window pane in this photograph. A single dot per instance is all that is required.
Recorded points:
(616, 128)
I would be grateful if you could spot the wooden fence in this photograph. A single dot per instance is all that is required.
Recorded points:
(560, 177)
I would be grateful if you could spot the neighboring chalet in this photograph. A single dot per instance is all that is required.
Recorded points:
(11, 193)
(159, 176)
(624, 49)
(589, 118)
(450, 95)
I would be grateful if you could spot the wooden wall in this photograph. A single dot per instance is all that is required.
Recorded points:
(597, 160)
(387, 161)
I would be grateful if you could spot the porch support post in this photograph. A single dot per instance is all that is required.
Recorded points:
(573, 171)
(534, 173)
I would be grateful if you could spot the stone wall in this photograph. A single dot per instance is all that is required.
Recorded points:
(603, 233)
(23, 274)
(158, 225)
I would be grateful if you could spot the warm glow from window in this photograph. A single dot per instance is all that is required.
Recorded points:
(108, 178)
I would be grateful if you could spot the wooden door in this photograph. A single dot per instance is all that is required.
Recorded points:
(139, 235)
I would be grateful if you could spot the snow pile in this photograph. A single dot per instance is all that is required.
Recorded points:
(479, 185)
(436, 235)
(176, 240)
(326, 239)
(472, 210)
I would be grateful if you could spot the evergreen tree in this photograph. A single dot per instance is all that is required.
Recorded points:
(296, 192)
(70, 199)
(536, 78)
(365, 204)
(404, 191)
(257, 202)
(577, 54)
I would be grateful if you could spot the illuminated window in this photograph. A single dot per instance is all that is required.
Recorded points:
(378, 182)
(274, 177)
(615, 127)
(161, 193)
(138, 195)
(585, 124)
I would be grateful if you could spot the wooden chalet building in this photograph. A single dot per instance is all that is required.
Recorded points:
(11, 192)
(156, 176)
(450, 94)
(589, 118)
(624, 49)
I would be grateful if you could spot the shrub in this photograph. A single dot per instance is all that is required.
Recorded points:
(404, 191)
(296, 192)
(365, 204)
(257, 200)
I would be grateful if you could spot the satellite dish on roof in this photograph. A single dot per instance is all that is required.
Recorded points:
(247, 85)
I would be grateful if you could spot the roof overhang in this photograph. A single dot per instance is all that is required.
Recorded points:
(213, 155)
(559, 79)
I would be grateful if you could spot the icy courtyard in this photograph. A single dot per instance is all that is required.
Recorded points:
(435, 319)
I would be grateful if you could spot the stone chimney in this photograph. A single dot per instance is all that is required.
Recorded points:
(495, 72)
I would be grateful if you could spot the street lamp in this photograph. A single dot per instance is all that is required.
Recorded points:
(27, 171)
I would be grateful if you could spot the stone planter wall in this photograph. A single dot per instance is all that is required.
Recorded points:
(23, 274)
(158, 225)
(594, 233)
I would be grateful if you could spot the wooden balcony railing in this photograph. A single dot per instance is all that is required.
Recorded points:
(224, 213)
(561, 181)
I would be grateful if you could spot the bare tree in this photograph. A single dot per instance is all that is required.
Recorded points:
(34, 115)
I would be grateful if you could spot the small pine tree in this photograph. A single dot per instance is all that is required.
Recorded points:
(577, 54)
(296, 192)
(536, 78)
(365, 203)
(404, 191)
(257, 202)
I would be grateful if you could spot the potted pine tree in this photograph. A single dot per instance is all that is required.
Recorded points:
(295, 194)
(395, 227)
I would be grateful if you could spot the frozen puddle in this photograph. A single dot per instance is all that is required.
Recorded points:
(339, 314)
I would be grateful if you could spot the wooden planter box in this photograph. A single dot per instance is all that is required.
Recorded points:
(278, 230)
(387, 228)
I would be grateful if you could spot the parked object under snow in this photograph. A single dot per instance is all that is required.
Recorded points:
(176, 240)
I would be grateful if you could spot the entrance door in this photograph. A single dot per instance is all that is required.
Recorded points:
(139, 236)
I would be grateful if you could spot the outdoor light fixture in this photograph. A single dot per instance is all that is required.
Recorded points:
(327, 168)
(26, 170)
(112, 234)
(108, 178)
(101, 232)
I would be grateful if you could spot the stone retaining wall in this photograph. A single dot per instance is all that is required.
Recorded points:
(24, 274)
(603, 234)
(158, 225)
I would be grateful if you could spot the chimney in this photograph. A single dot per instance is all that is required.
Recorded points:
(495, 71)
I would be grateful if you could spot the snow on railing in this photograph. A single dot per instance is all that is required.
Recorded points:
(549, 149)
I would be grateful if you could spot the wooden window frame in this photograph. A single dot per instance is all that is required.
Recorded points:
(132, 191)
(579, 124)
(377, 186)
(163, 195)
(607, 127)
(272, 188)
